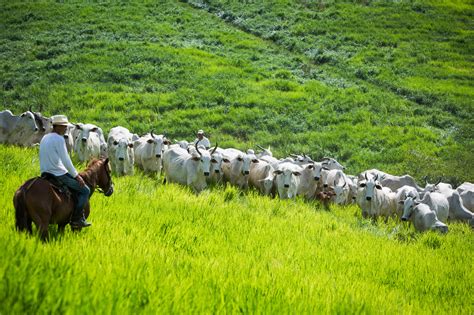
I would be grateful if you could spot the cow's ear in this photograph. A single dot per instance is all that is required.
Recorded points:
(78, 126)
(195, 158)
(362, 185)
(277, 172)
(255, 161)
(167, 142)
(213, 161)
(94, 129)
(115, 142)
(310, 166)
(378, 187)
(130, 145)
(240, 159)
(401, 201)
(225, 160)
(150, 141)
(296, 173)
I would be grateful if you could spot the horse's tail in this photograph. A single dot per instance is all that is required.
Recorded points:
(21, 214)
(19, 202)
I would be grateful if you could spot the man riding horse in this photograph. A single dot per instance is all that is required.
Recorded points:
(55, 161)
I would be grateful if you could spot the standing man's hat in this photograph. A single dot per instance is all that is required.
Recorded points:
(200, 132)
(60, 120)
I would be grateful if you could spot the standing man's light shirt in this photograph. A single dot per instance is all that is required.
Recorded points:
(205, 142)
(53, 155)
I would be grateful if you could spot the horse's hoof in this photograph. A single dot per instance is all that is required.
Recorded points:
(75, 228)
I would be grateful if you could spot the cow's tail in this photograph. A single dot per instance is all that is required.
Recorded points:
(21, 214)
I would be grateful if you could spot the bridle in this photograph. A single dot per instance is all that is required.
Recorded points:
(109, 191)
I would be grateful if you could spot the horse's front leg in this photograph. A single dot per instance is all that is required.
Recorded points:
(28, 225)
(43, 231)
(61, 227)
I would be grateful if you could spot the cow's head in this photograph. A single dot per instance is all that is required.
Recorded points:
(123, 150)
(408, 207)
(216, 161)
(155, 145)
(28, 122)
(332, 164)
(203, 159)
(368, 186)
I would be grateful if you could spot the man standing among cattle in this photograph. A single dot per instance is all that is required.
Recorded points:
(202, 139)
(55, 160)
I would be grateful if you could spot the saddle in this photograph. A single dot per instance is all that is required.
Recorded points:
(59, 186)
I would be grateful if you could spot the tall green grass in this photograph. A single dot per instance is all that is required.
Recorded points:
(157, 248)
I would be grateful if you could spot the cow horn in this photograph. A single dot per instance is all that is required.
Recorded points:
(260, 147)
(152, 135)
(439, 181)
(293, 155)
(214, 150)
(196, 146)
(365, 174)
(376, 176)
(345, 183)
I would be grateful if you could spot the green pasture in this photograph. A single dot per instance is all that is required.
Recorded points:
(375, 84)
(384, 84)
(157, 248)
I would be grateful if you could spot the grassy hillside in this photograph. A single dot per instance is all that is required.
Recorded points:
(374, 84)
(161, 249)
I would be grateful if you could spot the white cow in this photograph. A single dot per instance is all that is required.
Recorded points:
(309, 180)
(89, 142)
(337, 181)
(439, 204)
(422, 217)
(185, 168)
(261, 177)
(374, 200)
(270, 160)
(466, 191)
(183, 144)
(69, 136)
(457, 210)
(287, 179)
(237, 169)
(217, 158)
(331, 164)
(465, 186)
(148, 152)
(301, 159)
(353, 184)
(121, 152)
(391, 181)
(265, 152)
(401, 195)
(45, 126)
(17, 130)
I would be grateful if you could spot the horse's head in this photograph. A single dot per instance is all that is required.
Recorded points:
(104, 178)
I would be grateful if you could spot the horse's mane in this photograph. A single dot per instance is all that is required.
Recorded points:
(92, 168)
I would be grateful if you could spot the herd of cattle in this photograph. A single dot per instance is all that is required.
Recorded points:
(377, 193)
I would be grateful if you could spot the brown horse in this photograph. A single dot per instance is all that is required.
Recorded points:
(37, 201)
